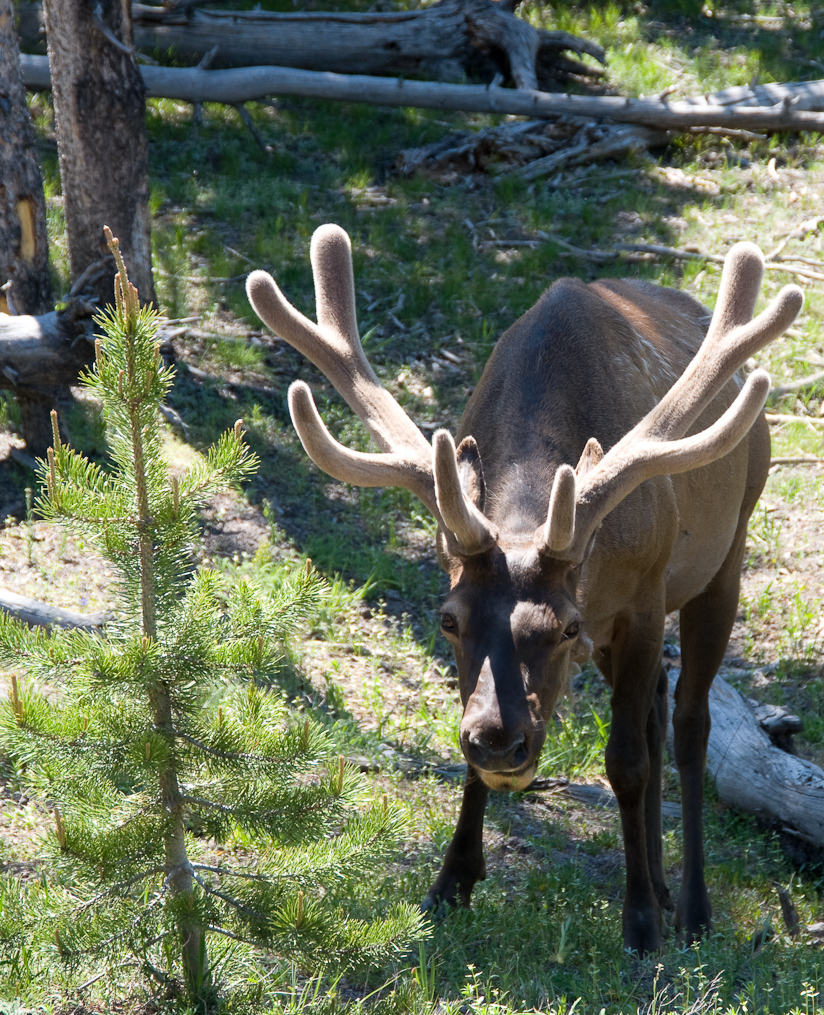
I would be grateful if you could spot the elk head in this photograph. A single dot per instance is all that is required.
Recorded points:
(512, 613)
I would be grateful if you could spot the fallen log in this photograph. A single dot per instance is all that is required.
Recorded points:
(801, 94)
(35, 613)
(42, 351)
(446, 40)
(752, 774)
(190, 84)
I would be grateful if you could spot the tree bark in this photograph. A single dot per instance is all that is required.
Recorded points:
(24, 247)
(100, 110)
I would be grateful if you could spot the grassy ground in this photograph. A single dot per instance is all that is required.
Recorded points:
(434, 276)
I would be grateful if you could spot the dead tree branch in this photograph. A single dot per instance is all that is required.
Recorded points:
(33, 612)
(247, 84)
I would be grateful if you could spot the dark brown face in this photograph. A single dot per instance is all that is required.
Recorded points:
(513, 623)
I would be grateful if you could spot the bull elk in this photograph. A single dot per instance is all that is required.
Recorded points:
(547, 562)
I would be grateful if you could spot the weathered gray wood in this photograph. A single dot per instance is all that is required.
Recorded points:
(40, 351)
(35, 613)
(444, 40)
(752, 774)
(247, 84)
(802, 94)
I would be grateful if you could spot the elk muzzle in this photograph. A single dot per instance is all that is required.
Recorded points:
(502, 730)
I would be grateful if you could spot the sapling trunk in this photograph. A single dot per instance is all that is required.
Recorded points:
(194, 957)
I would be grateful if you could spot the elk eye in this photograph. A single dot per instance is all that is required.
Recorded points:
(572, 630)
(448, 623)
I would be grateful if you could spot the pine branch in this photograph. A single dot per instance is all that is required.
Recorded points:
(236, 904)
(120, 886)
(224, 755)
(230, 872)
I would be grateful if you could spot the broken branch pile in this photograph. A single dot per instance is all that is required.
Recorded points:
(532, 148)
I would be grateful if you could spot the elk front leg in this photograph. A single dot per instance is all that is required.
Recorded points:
(636, 668)
(463, 864)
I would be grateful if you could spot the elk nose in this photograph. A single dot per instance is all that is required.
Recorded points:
(490, 751)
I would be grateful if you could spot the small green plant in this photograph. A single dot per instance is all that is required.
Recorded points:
(189, 806)
(575, 746)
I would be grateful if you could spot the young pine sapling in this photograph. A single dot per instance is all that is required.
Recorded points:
(155, 747)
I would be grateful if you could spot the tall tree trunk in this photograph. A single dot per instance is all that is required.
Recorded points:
(104, 162)
(24, 248)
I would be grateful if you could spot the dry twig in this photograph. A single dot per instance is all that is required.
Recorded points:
(779, 418)
(799, 385)
(796, 460)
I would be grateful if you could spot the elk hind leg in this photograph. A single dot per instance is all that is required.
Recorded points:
(706, 624)
(656, 733)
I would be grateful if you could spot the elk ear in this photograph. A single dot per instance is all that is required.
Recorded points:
(590, 456)
(471, 471)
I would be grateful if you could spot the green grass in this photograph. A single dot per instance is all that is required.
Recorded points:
(545, 928)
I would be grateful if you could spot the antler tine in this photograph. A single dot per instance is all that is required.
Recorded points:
(616, 476)
(330, 254)
(741, 279)
(730, 341)
(560, 520)
(471, 529)
(334, 345)
(356, 467)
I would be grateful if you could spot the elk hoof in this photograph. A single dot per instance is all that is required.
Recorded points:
(449, 891)
(643, 932)
(693, 917)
